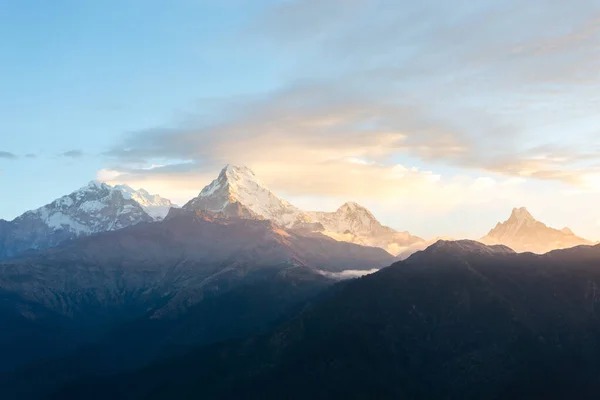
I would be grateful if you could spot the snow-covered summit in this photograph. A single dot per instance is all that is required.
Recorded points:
(521, 215)
(155, 205)
(93, 184)
(522, 232)
(93, 208)
(352, 222)
(96, 207)
(352, 218)
(237, 184)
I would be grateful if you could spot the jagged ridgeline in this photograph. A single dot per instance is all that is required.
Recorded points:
(237, 192)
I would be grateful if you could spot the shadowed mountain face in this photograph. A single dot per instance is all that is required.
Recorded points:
(522, 233)
(458, 320)
(30, 331)
(161, 270)
(179, 259)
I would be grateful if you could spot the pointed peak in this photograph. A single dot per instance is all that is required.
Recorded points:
(124, 186)
(230, 179)
(521, 214)
(567, 231)
(95, 185)
(234, 171)
(351, 205)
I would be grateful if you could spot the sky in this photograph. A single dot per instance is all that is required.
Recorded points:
(438, 116)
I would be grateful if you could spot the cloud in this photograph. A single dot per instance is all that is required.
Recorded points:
(348, 274)
(30, 155)
(8, 155)
(488, 43)
(474, 94)
(317, 131)
(72, 154)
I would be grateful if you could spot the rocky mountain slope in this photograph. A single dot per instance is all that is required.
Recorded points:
(354, 223)
(94, 208)
(458, 320)
(154, 205)
(522, 232)
(237, 191)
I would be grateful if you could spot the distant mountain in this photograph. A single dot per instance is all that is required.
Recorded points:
(354, 223)
(238, 192)
(96, 207)
(154, 205)
(459, 320)
(522, 232)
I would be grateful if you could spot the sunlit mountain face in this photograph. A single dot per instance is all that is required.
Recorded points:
(349, 223)
(238, 192)
(522, 232)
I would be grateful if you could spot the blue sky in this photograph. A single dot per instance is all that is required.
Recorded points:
(77, 76)
(440, 117)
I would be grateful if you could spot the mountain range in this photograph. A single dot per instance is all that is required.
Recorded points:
(241, 294)
(237, 192)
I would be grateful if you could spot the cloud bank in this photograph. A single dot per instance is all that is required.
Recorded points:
(430, 105)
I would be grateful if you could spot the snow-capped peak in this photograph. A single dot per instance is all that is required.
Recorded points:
(239, 184)
(239, 172)
(350, 218)
(156, 206)
(522, 232)
(355, 208)
(238, 188)
(95, 184)
(519, 219)
(351, 205)
(93, 208)
(521, 215)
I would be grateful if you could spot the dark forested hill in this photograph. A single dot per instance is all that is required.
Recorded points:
(458, 320)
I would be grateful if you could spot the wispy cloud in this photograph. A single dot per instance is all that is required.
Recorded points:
(72, 154)
(492, 88)
(8, 155)
(348, 274)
